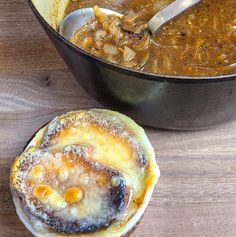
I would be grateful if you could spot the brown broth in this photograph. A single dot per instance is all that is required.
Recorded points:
(200, 42)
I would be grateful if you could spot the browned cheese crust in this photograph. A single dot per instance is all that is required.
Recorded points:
(85, 173)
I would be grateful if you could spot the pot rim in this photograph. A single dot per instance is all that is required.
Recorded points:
(134, 72)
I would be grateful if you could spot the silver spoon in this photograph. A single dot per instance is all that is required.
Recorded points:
(79, 17)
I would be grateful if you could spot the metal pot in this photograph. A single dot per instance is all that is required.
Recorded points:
(170, 102)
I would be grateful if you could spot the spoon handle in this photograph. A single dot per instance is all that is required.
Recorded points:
(169, 12)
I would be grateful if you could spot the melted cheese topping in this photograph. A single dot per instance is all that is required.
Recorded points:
(112, 151)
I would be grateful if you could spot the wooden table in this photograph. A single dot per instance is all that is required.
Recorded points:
(196, 194)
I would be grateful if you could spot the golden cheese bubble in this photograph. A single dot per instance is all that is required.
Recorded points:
(36, 174)
(63, 174)
(73, 194)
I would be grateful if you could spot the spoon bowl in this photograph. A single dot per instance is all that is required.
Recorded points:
(79, 17)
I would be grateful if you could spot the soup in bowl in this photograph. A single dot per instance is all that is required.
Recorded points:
(203, 39)
(185, 77)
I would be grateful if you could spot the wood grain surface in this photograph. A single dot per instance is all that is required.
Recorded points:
(196, 194)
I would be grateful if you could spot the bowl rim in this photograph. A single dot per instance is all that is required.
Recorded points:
(134, 72)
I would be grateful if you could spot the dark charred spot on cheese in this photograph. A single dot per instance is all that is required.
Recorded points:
(118, 192)
(142, 159)
(73, 227)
